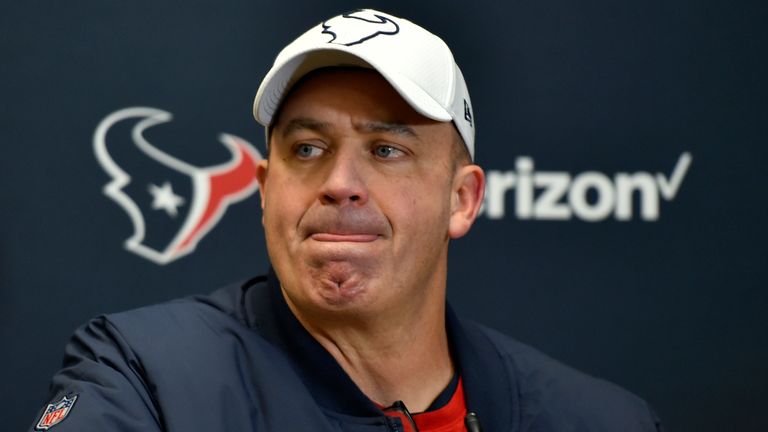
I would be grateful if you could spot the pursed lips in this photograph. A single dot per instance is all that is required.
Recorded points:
(344, 224)
(338, 237)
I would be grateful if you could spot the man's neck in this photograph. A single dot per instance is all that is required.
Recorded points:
(404, 359)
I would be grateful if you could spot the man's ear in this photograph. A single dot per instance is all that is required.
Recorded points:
(261, 177)
(467, 194)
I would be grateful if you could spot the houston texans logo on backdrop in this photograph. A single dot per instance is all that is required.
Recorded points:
(171, 203)
(357, 27)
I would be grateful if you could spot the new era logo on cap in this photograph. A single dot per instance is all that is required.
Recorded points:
(467, 112)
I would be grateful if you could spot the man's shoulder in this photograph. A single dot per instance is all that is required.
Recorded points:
(553, 395)
(158, 366)
(220, 305)
(533, 367)
(182, 337)
(188, 323)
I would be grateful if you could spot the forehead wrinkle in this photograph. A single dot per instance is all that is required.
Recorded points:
(395, 128)
(301, 123)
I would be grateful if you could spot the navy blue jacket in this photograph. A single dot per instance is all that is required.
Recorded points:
(238, 360)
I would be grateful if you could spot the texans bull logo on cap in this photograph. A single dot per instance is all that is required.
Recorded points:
(172, 204)
(358, 26)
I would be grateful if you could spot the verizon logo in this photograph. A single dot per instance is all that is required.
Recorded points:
(590, 196)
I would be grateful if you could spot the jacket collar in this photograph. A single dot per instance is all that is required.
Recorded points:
(330, 386)
(490, 387)
(490, 390)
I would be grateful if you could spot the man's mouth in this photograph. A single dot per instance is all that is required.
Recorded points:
(344, 224)
(336, 237)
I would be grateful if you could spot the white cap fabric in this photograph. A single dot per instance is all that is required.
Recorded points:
(418, 64)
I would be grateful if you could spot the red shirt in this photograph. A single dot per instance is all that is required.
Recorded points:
(448, 418)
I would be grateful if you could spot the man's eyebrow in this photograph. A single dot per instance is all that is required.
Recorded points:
(300, 123)
(395, 128)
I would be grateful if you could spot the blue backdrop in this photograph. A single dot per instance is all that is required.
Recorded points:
(624, 231)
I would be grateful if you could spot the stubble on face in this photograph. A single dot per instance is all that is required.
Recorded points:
(338, 243)
(350, 253)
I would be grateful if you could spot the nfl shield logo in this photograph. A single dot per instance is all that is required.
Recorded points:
(56, 412)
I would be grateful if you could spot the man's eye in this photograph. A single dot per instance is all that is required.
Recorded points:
(388, 152)
(307, 151)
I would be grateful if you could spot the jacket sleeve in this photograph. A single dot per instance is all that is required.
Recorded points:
(101, 386)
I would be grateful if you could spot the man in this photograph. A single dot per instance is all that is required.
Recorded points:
(371, 140)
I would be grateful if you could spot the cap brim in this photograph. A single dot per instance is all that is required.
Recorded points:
(283, 76)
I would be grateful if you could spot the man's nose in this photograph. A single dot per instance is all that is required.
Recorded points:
(344, 183)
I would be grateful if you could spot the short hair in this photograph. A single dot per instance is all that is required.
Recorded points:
(461, 155)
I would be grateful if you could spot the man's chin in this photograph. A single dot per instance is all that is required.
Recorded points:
(338, 284)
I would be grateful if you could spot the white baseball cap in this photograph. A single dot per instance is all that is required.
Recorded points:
(418, 65)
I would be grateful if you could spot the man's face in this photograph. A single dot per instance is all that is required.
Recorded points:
(360, 196)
